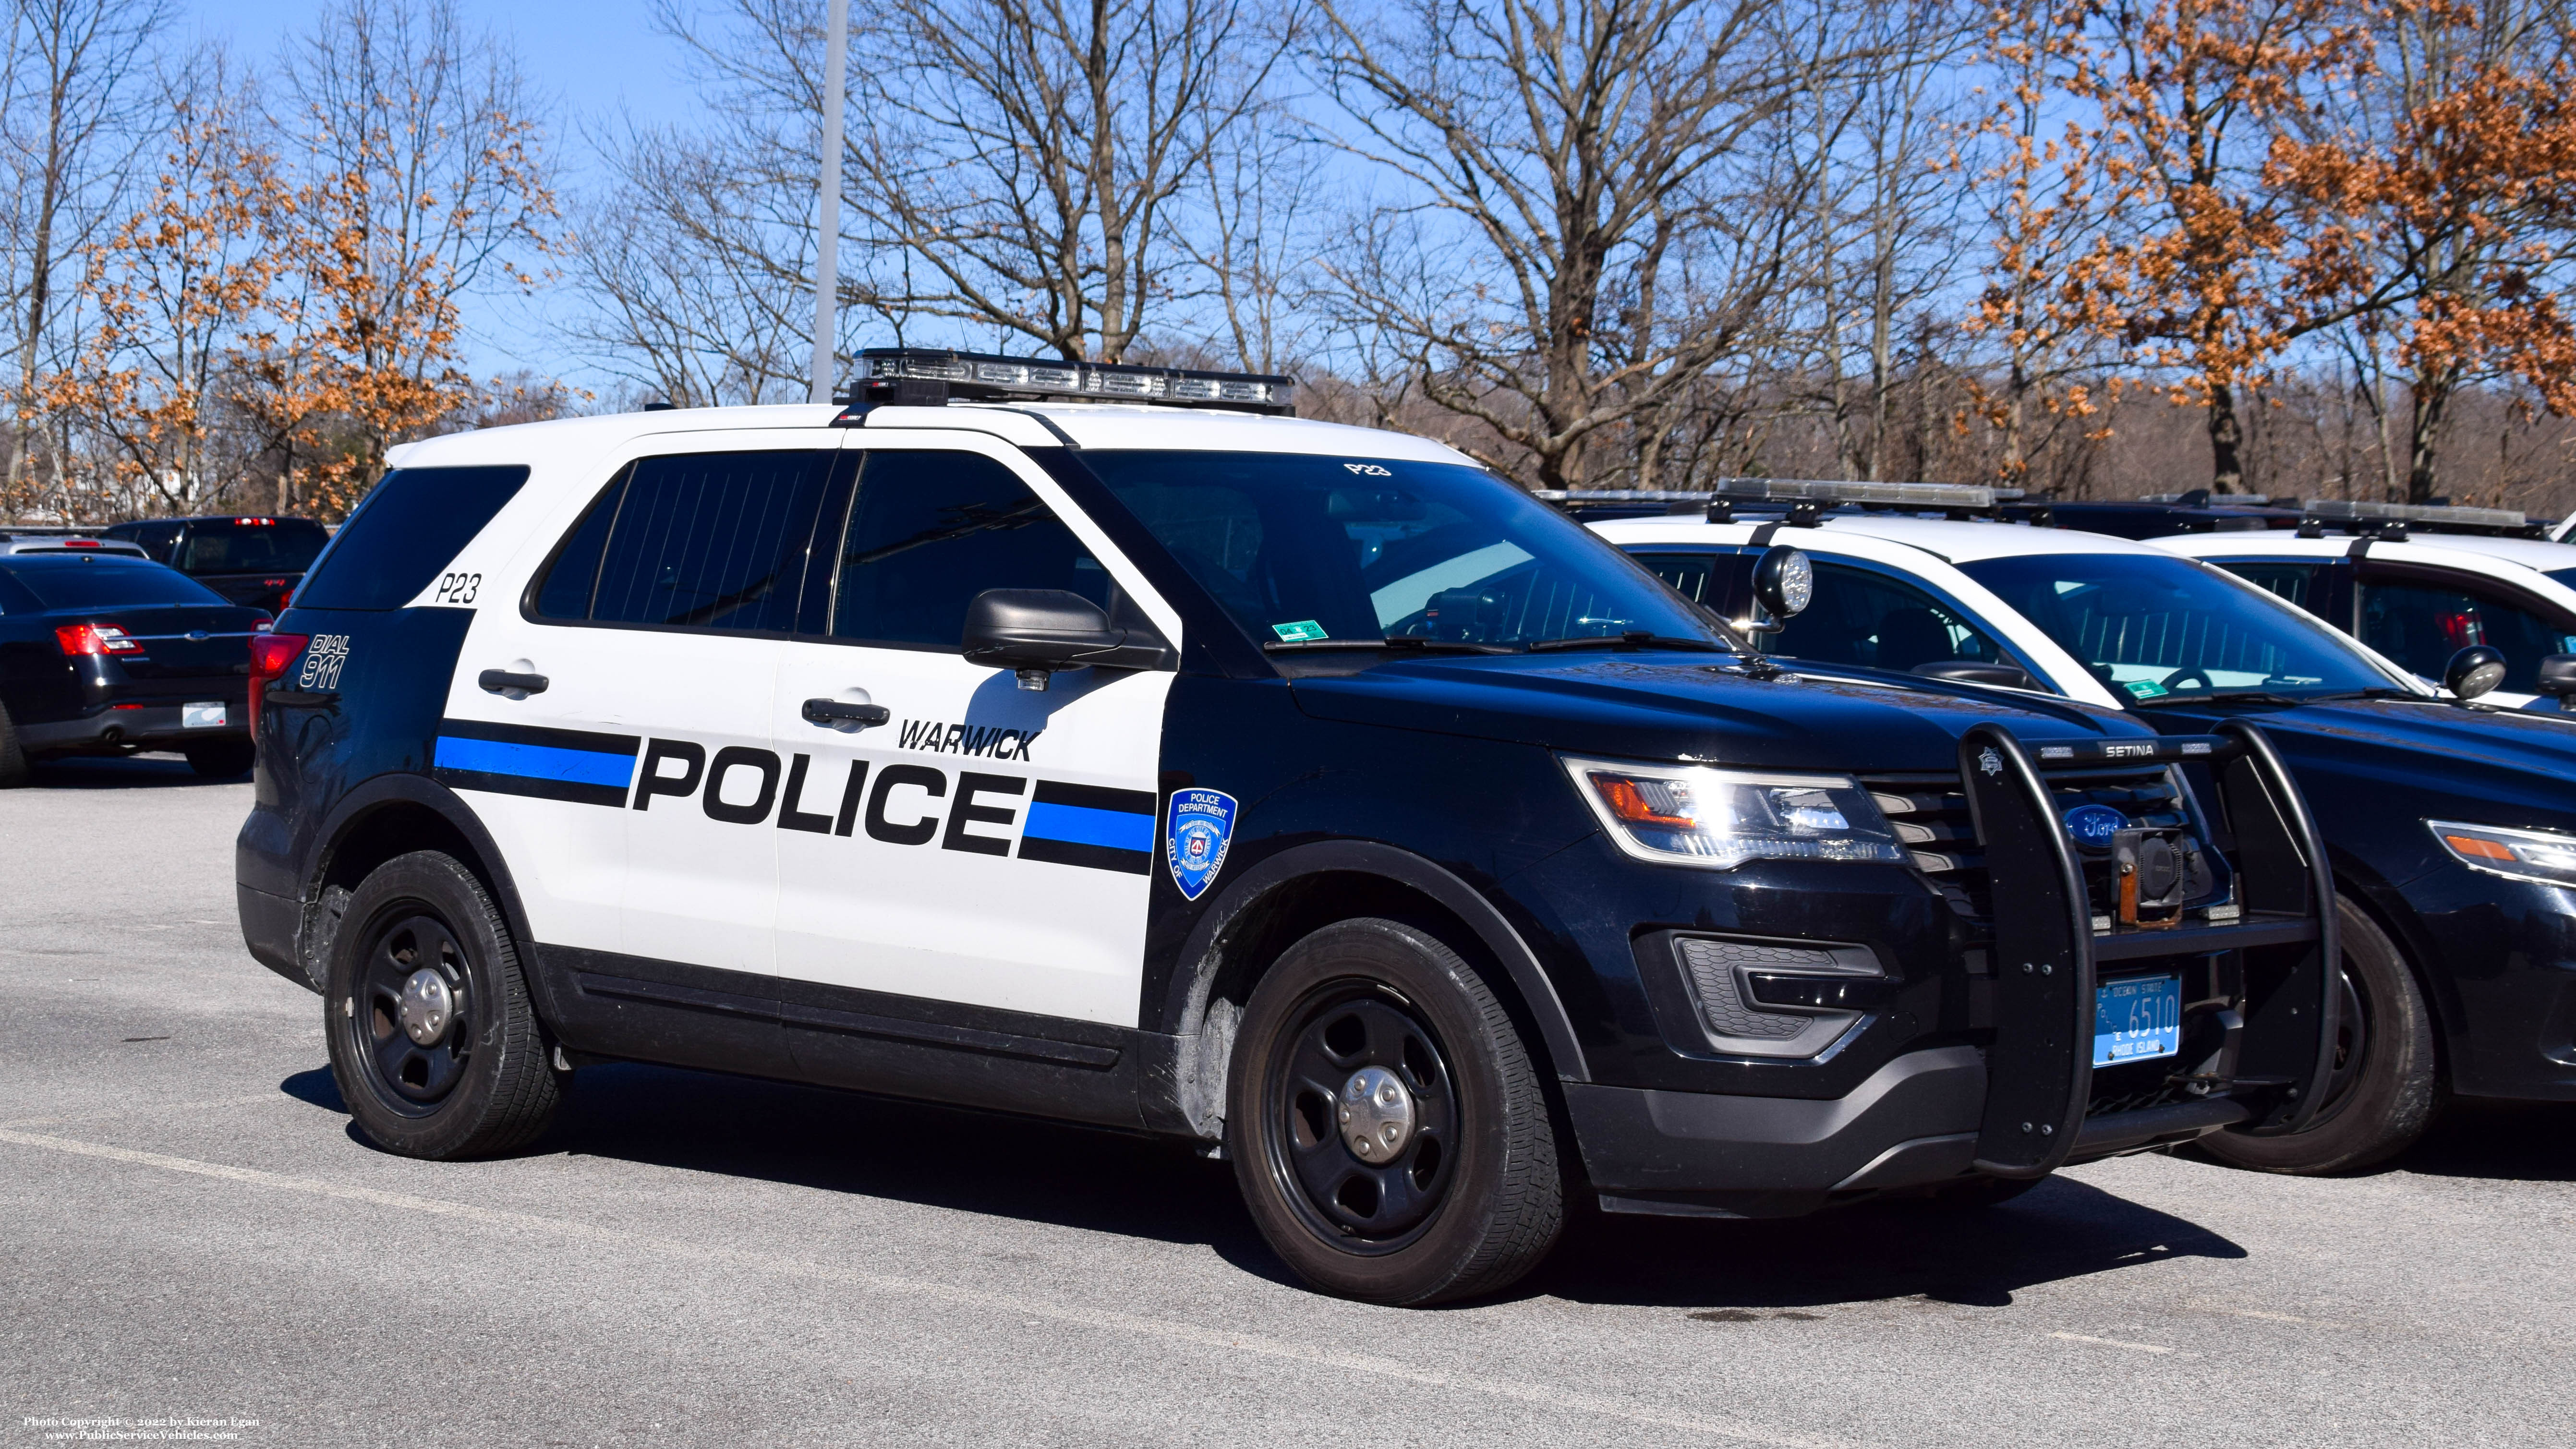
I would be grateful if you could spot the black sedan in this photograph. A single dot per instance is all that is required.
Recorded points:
(108, 655)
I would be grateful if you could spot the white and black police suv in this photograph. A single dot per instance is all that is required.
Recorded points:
(1104, 744)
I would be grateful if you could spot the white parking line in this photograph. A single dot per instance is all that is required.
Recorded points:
(1192, 1334)
(2111, 1342)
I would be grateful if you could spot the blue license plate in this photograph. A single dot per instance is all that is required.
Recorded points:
(2137, 1019)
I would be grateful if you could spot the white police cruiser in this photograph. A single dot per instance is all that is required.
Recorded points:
(2450, 828)
(2419, 583)
(1101, 744)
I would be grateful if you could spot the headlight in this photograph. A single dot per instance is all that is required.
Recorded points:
(1691, 815)
(2535, 855)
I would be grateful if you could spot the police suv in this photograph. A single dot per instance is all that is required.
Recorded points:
(1104, 744)
(2450, 827)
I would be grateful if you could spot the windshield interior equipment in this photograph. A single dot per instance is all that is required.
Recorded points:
(1317, 551)
(2150, 627)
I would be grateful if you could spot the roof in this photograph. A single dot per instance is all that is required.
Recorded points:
(1090, 425)
(1956, 542)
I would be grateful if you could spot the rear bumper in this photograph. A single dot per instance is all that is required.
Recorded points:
(149, 727)
(269, 927)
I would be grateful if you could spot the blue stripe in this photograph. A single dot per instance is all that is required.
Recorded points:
(539, 762)
(1082, 825)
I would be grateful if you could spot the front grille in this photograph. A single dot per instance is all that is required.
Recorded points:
(1930, 813)
(1711, 965)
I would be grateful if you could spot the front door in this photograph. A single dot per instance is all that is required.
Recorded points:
(987, 845)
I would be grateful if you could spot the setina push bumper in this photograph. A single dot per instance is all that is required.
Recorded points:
(2116, 986)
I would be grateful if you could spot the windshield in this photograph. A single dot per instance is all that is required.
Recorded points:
(2150, 627)
(107, 584)
(1310, 550)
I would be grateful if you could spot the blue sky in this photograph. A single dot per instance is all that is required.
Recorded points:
(589, 61)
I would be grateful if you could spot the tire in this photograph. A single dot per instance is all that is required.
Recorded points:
(13, 755)
(221, 759)
(2385, 1086)
(1468, 1198)
(480, 1086)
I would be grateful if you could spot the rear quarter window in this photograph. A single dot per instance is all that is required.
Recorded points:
(408, 529)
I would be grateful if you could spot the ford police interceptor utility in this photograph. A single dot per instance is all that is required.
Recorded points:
(2450, 827)
(1299, 790)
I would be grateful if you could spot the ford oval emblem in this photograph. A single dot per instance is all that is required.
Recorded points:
(2092, 826)
(196, 636)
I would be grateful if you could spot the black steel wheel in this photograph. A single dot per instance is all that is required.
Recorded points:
(2383, 1084)
(1366, 1117)
(1388, 1129)
(434, 1043)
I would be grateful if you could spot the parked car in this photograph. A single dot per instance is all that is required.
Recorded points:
(1303, 792)
(102, 654)
(247, 559)
(2450, 829)
(17, 542)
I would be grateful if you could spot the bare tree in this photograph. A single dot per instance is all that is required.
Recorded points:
(1591, 217)
(72, 101)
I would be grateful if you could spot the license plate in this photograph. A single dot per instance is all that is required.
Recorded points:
(2137, 1019)
(202, 716)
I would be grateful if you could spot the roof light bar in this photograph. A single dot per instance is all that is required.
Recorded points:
(2424, 514)
(1792, 490)
(976, 376)
(2203, 498)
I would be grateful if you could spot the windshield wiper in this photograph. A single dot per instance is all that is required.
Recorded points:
(2217, 696)
(1628, 641)
(1402, 643)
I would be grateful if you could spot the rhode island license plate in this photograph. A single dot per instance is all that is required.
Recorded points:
(202, 716)
(2137, 1019)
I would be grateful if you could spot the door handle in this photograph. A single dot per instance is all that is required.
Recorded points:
(500, 681)
(833, 711)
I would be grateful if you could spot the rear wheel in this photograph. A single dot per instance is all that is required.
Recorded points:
(1387, 1127)
(434, 1043)
(2382, 1086)
(13, 755)
(221, 759)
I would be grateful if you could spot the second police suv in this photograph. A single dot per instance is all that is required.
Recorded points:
(1019, 739)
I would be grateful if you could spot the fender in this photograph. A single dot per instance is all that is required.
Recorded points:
(403, 788)
(1185, 1000)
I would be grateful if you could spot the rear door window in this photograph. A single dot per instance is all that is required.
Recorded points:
(2300, 583)
(408, 528)
(693, 541)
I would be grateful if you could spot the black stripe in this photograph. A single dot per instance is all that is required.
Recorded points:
(1094, 797)
(961, 1038)
(668, 994)
(515, 734)
(577, 791)
(1096, 857)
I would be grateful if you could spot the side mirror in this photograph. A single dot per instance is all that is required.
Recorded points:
(1977, 671)
(2474, 670)
(1035, 632)
(1784, 583)
(2557, 676)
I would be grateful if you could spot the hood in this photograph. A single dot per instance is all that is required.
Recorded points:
(2507, 766)
(1665, 707)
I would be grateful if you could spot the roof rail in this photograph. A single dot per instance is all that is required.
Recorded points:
(931, 377)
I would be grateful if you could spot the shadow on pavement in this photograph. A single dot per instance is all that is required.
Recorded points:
(2510, 1141)
(120, 772)
(1108, 1182)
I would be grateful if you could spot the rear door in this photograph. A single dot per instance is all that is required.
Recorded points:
(989, 845)
(654, 629)
(2421, 616)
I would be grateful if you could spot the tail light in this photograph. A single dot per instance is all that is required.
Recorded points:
(270, 653)
(99, 639)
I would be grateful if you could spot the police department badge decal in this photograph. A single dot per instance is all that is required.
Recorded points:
(1195, 834)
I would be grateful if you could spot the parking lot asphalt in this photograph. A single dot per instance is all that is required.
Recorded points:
(189, 1231)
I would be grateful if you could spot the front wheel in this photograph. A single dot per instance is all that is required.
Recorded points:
(434, 1043)
(1387, 1127)
(2382, 1087)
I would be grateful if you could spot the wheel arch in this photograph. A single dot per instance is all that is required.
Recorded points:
(2386, 907)
(1300, 890)
(388, 816)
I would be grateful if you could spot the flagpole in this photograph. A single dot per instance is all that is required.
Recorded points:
(827, 220)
